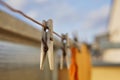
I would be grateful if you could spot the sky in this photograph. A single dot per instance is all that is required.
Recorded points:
(87, 18)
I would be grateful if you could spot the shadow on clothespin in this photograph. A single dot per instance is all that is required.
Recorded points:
(65, 57)
(47, 44)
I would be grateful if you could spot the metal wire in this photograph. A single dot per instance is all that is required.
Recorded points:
(26, 16)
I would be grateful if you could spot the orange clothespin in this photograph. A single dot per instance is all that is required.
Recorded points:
(66, 51)
(47, 44)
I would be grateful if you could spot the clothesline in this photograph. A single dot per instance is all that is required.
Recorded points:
(26, 16)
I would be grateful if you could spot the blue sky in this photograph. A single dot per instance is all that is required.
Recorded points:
(87, 17)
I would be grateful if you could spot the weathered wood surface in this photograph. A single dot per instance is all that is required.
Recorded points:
(10, 23)
(17, 31)
(20, 62)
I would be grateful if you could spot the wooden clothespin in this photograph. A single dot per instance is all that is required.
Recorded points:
(66, 51)
(47, 44)
(76, 43)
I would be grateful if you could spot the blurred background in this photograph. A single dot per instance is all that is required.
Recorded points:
(95, 22)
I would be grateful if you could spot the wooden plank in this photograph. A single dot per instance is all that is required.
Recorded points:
(12, 24)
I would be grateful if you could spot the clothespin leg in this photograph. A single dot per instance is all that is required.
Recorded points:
(68, 58)
(61, 62)
(51, 56)
(68, 61)
(42, 57)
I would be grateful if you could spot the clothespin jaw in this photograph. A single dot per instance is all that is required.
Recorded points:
(47, 44)
(66, 51)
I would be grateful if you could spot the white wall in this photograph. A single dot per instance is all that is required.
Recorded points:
(112, 55)
(114, 24)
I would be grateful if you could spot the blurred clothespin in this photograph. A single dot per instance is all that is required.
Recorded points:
(76, 42)
(66, 51)
(47, 44)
